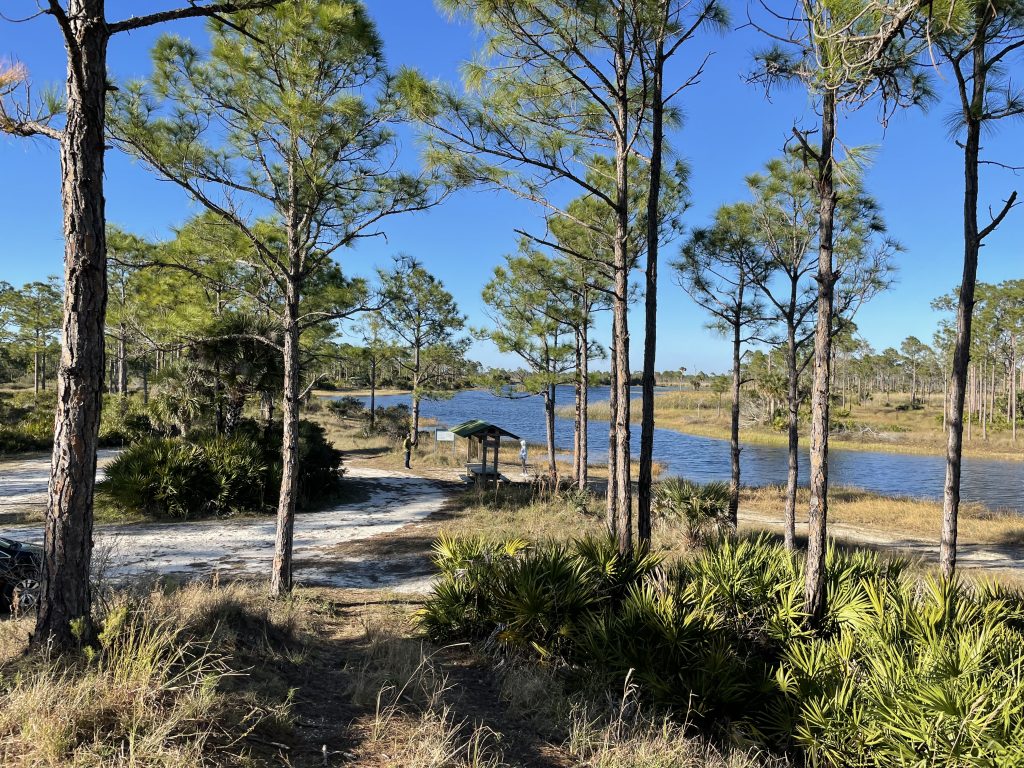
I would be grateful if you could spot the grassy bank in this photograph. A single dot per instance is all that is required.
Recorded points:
(873, 426)
(356, 392)
(899, 518)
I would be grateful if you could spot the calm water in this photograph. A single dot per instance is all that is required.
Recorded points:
(998, 484)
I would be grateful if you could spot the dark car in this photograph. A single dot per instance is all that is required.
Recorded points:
(20, 569)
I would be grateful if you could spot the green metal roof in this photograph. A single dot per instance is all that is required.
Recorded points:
(475, 427)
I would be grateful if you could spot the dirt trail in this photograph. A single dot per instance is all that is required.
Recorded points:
(244, 546)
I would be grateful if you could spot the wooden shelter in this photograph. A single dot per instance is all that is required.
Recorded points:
(488, 438)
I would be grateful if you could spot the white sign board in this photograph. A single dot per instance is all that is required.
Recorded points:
(444, 436)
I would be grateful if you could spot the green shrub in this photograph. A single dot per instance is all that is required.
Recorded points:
(347, 407)
(125, 420)
(392, 421)
(161, 477)
(210, 475)
(901, 672)
(320, 470)
(26, 421)
(702, 509)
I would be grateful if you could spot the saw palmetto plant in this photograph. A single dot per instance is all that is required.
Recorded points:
(903, 670)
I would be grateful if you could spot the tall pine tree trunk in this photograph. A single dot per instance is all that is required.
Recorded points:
(415, 436)
(734, 415)
(122, 364)
(793, 438)
(67, 543)
(815, 598)
(549, 424)
(584, 406)
(964, 318)
(373, 395)
(612, 520)
(36, 379)
(577, 409)
(281, 575)
(620, 301)
(646, 475)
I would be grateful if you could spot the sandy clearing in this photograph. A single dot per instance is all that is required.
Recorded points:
(23, 481)
(244, 547)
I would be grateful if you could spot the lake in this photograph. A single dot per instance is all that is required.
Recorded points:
(997, 484)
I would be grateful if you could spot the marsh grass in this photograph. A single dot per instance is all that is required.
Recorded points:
(902, 517)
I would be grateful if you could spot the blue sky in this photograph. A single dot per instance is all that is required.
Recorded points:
(730, 130)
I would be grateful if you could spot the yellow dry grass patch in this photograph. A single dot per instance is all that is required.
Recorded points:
(153, 691)
(915, 518)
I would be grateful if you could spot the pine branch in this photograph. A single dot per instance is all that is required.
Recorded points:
(194, 10)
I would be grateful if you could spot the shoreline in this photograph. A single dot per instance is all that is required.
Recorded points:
(836, 442)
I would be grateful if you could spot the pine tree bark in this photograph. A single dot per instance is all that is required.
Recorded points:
(577, 408)
(35, 367)
(734, 415)
(549, 423)
(416, 396)
(793, 437)
(620, 301)
(584, 412)
(122, 364)
(373, 394)
(645, 479)
(281, 573)
(64, 610)
(815, 597)
(612, 519)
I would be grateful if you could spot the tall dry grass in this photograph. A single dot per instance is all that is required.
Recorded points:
(902, 517)
(158, 688)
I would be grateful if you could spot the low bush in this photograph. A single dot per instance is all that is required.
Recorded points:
(392, 421)
(703, 510)
(902, 671)
(125, 420)
(26, 421)
(216, 475)
(320, 469)
(347, 407)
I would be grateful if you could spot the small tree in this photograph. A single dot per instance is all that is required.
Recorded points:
(785, 221)
(423, 316)
(915, 352)
(720, 268)
(530, 322)
(35, 310)
(376, 351)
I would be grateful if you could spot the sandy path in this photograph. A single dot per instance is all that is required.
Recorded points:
(242, 546)
(23, 482)
(986, 556)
